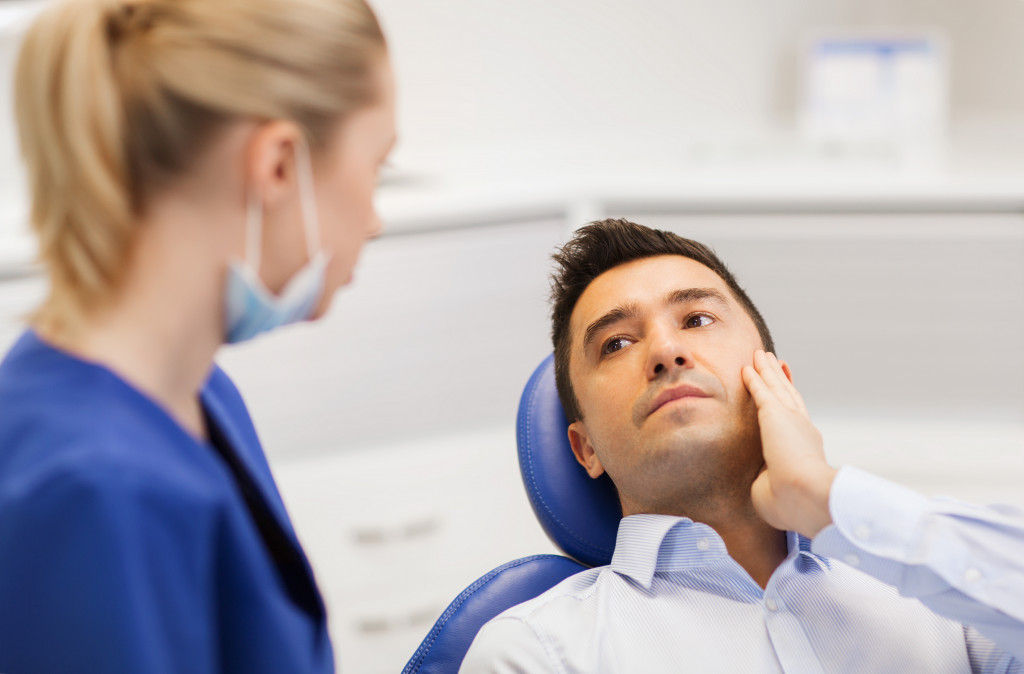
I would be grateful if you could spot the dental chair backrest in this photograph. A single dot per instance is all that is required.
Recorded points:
(579, 514)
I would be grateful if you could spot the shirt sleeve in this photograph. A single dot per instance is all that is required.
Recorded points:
(507, 645)
(964, 562)
(98, 575)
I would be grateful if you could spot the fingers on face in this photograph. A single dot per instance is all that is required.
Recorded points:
(779, 382)
(787, 384)
(774, 377)
(796, 395)
(759, 391)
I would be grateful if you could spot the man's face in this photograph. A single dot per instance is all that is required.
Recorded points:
(657, 346)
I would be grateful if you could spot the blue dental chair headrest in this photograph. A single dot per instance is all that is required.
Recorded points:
(579, 514)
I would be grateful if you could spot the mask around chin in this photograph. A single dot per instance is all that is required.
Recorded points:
(252, 309)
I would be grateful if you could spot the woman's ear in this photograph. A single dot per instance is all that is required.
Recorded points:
(579, 440)
(270, 161)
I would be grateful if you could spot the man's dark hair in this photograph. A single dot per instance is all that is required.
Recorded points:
(603, 245)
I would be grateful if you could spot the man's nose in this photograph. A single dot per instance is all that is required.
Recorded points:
(668, 351)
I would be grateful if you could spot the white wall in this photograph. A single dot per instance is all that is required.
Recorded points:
(670, 70)
(654, 73)
(548, 66)
(13, 202)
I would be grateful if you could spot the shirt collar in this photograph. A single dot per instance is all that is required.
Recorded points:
(649, 543)
(806, 559)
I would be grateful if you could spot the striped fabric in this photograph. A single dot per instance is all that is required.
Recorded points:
(672, 600)
(963, 561)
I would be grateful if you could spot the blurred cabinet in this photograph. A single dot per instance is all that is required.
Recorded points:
(395, 533)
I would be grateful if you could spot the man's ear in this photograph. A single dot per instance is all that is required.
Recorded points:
(786, 370)
(579, 439)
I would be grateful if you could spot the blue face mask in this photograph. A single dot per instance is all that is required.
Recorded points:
(250, 307)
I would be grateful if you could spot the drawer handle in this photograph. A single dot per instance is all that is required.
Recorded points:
(409, 531)
(417, 619)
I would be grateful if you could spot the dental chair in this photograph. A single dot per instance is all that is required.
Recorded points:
(580, 515)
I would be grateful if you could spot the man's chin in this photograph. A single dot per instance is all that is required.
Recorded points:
(690, 439)
(702, 435)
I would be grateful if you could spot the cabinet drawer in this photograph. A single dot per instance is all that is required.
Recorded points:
(395, 533)
(388, 520)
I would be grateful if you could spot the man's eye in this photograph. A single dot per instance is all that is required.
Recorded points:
(698, 321)
(613, 345)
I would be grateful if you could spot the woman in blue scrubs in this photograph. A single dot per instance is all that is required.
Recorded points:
(201, 171)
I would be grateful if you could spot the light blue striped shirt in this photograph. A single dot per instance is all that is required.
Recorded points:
(673, 600)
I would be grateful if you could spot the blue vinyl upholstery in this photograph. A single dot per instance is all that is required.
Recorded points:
(504, 587)
(580, 515)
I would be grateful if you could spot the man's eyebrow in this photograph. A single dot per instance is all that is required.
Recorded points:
(614, 316)
(695, 294)
(628, 311)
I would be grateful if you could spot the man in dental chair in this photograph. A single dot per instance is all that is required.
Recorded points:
(740, 549)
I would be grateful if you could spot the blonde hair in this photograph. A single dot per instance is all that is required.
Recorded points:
(114, 99)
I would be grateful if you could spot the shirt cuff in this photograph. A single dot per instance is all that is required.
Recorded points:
(875, 524)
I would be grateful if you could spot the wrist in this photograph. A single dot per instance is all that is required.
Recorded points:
(817, 489)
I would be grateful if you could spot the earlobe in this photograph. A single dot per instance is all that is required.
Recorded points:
(579, 440)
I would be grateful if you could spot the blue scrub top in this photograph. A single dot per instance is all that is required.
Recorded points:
(126, 545)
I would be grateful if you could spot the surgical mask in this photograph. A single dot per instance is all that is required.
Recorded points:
(250, 307)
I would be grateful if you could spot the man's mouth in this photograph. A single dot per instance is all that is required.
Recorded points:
(675, 393)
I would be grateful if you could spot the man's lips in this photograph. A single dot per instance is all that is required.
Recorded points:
(675, 393)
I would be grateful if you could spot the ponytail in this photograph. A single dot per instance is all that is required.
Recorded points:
(70, 120)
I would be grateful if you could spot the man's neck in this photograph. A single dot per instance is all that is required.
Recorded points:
(755, 545)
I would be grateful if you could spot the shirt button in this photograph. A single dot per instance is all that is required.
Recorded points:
(770, 604)
(863, 532)
(972, 575)
(852, 559)
(703, 544)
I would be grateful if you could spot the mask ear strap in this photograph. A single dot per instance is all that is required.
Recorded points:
(253, 230)
(307, 197)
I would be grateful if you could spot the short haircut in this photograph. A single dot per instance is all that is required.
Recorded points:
(604, 245)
